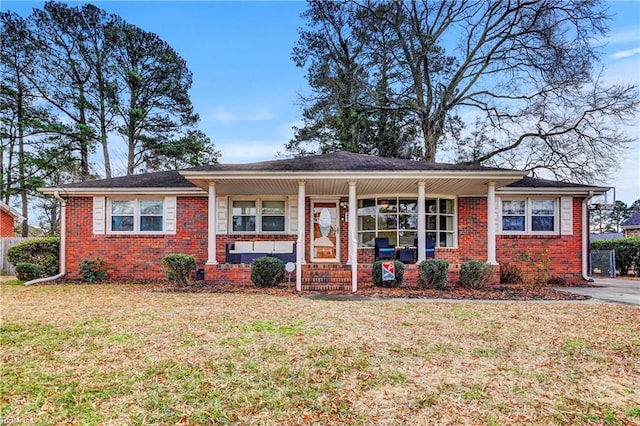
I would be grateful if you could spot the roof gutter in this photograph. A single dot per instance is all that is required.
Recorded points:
(585, 238)
(63, 239)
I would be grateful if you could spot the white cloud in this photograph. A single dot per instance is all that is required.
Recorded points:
(226, 116)
(623, 35)
(625, 53)
(249, 151)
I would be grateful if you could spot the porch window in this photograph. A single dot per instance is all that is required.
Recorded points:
(397, 219)
(244, 216)
(136, 216)
(273, 216)
(249, 216)
(529, 215)
(441, 221)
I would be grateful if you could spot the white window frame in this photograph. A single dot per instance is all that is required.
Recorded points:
(258, 206)
(528, 214)
(136, 216)
(437, 214)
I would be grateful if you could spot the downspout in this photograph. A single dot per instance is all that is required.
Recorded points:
(585, 239)
(63, 239)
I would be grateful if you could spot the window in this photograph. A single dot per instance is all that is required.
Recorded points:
(441, 220)
(244, 216)
(271, 217)
(513, 215)
(136, 216)
(397, 219)
(529, 215)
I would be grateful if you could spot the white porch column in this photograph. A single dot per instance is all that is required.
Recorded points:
(422, 223)
(211, 226)
(352, 221)
(300, 247)
(491, 223)
(353, 236)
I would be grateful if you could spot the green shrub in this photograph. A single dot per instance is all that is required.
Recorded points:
(179, 267)
(267, 271)
(376, 274)
(627, 253)
(92, 270)
(43, 252)
(29, 271)
(511, 274)
(475, 274)
(433, 274)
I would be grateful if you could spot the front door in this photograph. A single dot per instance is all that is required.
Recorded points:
(325, 235)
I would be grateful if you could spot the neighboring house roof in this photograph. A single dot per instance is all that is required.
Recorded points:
(605, 236)
(12, 212)
(632, 222)
(326, 174)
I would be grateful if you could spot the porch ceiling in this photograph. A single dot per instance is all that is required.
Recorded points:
(458, 186)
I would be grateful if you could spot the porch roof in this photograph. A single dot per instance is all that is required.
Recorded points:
(330, 174)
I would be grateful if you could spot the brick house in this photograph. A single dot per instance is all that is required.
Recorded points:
(330, 209)
(631, 226)
(8, 217)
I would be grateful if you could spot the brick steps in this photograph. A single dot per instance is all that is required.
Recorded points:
(326, 278)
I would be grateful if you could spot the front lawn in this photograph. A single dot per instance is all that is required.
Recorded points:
(125, 354)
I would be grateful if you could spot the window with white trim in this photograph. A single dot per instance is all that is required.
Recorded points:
(249, 216)
(397, 219)
(131, 216)
(529, 216)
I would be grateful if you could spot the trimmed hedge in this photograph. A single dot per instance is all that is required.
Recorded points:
(433, 274)
(627, 253)
(43, 252)
(29, 271)
(179, 268)
(267, 271)
(376, 274)
(475, 274)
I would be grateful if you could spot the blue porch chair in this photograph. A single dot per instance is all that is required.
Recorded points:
(430, 247)
(384, 250)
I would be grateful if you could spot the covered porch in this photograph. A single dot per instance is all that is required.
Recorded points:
(333, 216)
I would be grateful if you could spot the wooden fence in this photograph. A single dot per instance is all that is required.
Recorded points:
(6, 244)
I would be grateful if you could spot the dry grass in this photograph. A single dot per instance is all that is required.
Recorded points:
(123, 354)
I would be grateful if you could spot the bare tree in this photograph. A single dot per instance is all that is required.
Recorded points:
(527, 71)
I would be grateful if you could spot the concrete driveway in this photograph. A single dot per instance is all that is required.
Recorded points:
(609, 290)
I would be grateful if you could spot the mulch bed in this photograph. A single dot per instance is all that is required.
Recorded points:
(502, 292)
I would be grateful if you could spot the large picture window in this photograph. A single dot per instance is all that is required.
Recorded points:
(529, 215)
(248, 216)
(136, 215)
(397, 219)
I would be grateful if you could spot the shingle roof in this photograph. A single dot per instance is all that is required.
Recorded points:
(633, 220)
(530, 182)
(341, 161)
(337, 161)
(168, 179)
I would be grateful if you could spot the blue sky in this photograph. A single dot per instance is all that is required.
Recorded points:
(245, 86)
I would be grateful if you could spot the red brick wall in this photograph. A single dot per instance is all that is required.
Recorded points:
(131, 257)
(135, 257)
(561, 254)
(472, 230)
(6, 224)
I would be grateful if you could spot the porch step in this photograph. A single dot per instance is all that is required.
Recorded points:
(326, 278)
